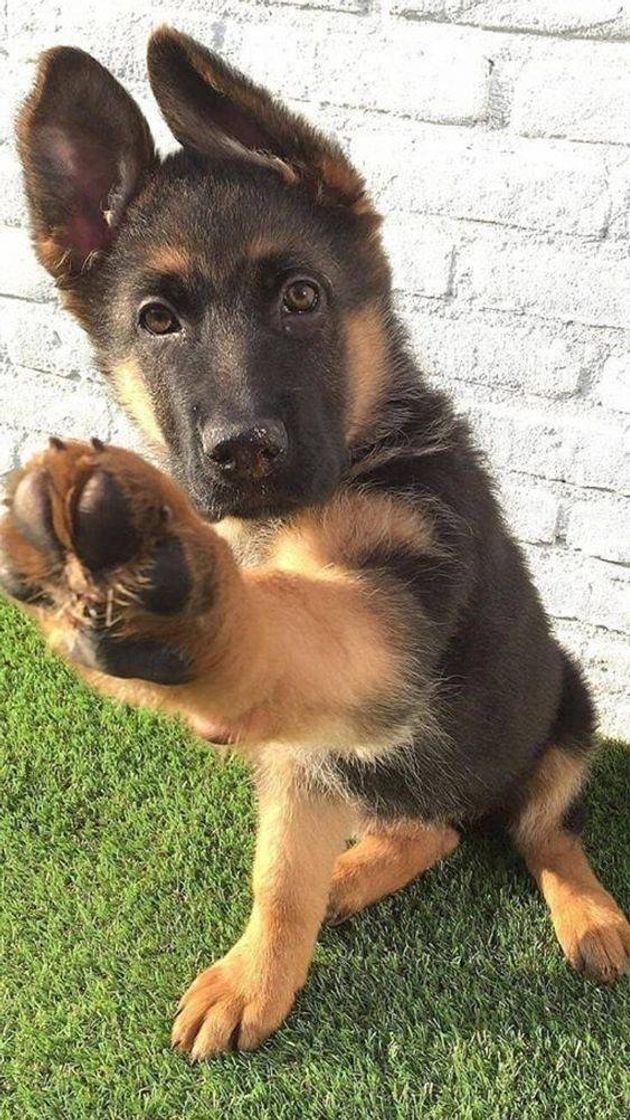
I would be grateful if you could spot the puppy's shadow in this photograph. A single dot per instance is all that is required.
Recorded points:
(470, 946)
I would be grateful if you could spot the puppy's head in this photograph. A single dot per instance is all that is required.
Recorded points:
(236, 292)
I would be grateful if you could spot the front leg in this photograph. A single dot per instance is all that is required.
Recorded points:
(127, 582)
(316, 652)
(133, 587)
(238, 1002)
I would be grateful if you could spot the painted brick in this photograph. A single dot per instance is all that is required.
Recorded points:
(578, 451)
(600, 527)
(557, 17)
(613, 389)
(45, 338)
(562, 280)
(421, 253)
(31, 26)
(444, 8)
(12, 201)
(609, 602)
(332, 5)
(602, 455)
(606, 660)
(511, 352)
(582, 588)
(581, 91)
(531, 444)
(529, 183)
(9, 444)
(16, 79)
(531, 510)
(397, 68)
(22, 276)
(36, 402)
(563, 588)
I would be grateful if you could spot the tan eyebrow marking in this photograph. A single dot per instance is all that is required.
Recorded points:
(169, 258)
(261, 247)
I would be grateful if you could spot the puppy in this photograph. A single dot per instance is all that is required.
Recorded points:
(322, 579)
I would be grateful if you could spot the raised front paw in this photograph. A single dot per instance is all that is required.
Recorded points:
(233, 1005)
(118, 565)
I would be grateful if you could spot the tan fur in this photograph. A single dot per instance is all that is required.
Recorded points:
(260, 248)
(385, 860)
(592, 930)
(367, 368)
(555, 784)
(286, 655)
(342, 180)
(52, 254)
(326, 652)
(289, 652)
(171, 259)
(333, 646)
(255, 984)
(590, 927)
(309, 633)
(341, 532)
(135, 396)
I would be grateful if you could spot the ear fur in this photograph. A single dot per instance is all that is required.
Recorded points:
(85, 147)
(211, 107)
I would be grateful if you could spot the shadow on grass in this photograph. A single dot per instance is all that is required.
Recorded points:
(470, 947)
(126, 853)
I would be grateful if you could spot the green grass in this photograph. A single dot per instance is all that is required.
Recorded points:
(125, 849)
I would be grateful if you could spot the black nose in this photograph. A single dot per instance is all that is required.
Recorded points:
(246, 452)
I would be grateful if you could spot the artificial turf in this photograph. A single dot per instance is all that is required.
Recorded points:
(124, 855)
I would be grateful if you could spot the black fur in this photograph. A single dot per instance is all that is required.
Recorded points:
(504, 689)
(479, 647)
(128, 658)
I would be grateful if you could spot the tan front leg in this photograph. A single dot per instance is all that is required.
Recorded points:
(239, 1001)
(384, 861)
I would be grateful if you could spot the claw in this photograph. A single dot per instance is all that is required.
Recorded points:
(337, 917)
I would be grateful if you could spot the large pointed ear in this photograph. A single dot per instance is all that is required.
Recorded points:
(85, 147)
(212, 108)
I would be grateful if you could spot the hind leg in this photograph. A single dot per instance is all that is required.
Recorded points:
(383, 861)
(591, 928)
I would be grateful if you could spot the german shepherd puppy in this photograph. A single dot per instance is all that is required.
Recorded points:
(323, 580)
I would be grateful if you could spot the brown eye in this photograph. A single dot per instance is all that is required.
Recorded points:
(300, 297)
(158, 319)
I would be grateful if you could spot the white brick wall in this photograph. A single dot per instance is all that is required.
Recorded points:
(496, 134)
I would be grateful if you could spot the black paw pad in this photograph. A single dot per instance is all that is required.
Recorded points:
(32, 511)
(141, 659)
(103, 532)
(169, 583)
